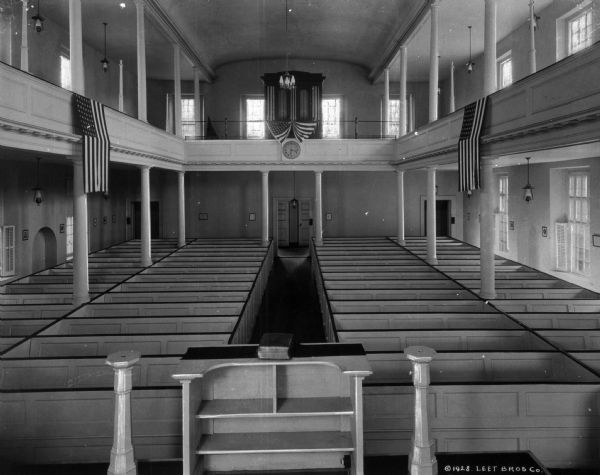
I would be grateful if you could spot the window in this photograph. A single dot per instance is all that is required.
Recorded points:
(255, 118)
(394, 117)
(579, 31)
(7, 257)
(65, 72)
(502, 221)
(331, 117)
(579, 222)
(69, 238)
(505, 72)
(188, 125)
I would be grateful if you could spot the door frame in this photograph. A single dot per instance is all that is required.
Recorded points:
(273, 215)
(453, 212)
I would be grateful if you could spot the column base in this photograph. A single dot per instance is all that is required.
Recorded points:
(402, 242)
(433, 261)
(487, 294)
(422, 461)
(319, 242)
(122, 464)
(80, 299)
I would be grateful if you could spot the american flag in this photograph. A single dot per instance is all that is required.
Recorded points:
(96, 144)
(303, 130)
(279, 129)
(468, 146)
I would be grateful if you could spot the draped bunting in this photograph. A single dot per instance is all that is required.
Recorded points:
(468, 146)
(281, 130)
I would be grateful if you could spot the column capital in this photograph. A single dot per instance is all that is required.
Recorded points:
(181, 172)
(399, 171)
(145, 167)
(139, 3)
(435, 3)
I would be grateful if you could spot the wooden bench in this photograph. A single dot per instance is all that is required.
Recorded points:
(399, 294)
(573, 340)
(446, 340)
(546, 305)
(422, 284)
(179, 296)
(29, 311)
(130, 309)
(184, 286)
(559, 320)
(403, 306)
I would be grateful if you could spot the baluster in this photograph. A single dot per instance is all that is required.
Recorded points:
(122, 459)
(421, 460)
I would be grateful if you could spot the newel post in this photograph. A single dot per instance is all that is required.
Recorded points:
(421, 460)
(122, 461)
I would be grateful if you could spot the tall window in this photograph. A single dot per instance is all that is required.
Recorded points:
(331, 117)
(505, 70)
(579, 221)
(503, 213)
(394, 117)
(255, 116)
(188, 126)
(69, 238)
(65, 72)
(580, 31)
(7, 254)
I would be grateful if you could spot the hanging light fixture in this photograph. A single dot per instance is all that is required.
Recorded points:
(528, 189)
(38, 20)
(104, 61)
(287, 80)
(37, 190)
(470, 64)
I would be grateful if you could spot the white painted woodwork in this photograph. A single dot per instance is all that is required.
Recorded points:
(181, 208)
(80, 236)
(24, 37)
(434, 51)
(265, 208)
(452, 95)
(76, 47)
(122, 458)
(490, 73)
(237, 410)
(400, 206)
(121, 95)
(403, 92)
(318, 208)
(146, 247)
(386, 102)
(487, 228)
(197, 106)
(177, 88)
(141, 61)
(431, 218)
(532, 28)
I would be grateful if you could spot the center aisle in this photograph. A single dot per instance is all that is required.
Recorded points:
(290, 303)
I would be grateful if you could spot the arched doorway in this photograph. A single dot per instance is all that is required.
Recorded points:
(44, 250)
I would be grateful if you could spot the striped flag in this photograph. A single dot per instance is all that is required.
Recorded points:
(303, 130)
(279, 129)
(95, 142)
(468, 146)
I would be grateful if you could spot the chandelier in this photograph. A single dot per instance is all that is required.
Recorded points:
(287, 80)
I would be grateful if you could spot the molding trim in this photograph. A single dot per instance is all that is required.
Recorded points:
(28, 129)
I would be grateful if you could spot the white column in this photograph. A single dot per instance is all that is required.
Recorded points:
(490, 75)
(421, 459)
(431, 225)
(265, 208)
(487, 232)
(121, 105)
(76, 47)
(122, 459)
(177, 88)
(146, 257)
(318, 208)
(81, 285)
(434, 63)
(452, 101)
(532, 22)
(24, 34)
(197, 106)
(400, 179)
(386, 101)
(181, 208)
(141, 61)
(403, 108)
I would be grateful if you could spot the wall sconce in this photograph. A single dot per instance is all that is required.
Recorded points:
(38, 20)
(528, 189)
(104, 61)
(37, 191)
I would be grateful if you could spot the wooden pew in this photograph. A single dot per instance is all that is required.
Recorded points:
(394, 306)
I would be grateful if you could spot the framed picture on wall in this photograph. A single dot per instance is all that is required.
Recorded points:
(544, 231)
(203, 216)
(596, 240)
(252, 217)
(61, 228)
(25, 234)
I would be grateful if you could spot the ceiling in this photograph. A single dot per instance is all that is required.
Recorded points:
(217, 32)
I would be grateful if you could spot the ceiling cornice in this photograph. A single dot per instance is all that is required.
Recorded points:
(164, 22)
(404, 30)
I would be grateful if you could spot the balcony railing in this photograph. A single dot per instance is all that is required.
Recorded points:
(257, 130)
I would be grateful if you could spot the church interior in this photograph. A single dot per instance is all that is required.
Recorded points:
(403, 186)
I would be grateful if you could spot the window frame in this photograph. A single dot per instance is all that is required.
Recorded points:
(503, 201)
(66, 76)
(584, 13)
(339, 99)
(245, 122)
(504, 59)
(579, 214)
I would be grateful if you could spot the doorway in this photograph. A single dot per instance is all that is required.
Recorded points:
(442, 217)
(44, 250)
(294, 223)
(137, 219)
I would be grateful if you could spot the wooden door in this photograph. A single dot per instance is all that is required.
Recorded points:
(283, 223)
(305, 225)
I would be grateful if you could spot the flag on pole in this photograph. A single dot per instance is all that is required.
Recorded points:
(95, 143)
(468, 146)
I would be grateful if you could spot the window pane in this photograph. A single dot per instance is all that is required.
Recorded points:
(394, 117)
(188, 128)
(255, 113)
(580, 32)
(65, 72)
(331, 118)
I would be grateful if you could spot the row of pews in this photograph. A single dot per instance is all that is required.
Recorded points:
(520, 372)
(57, 389)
